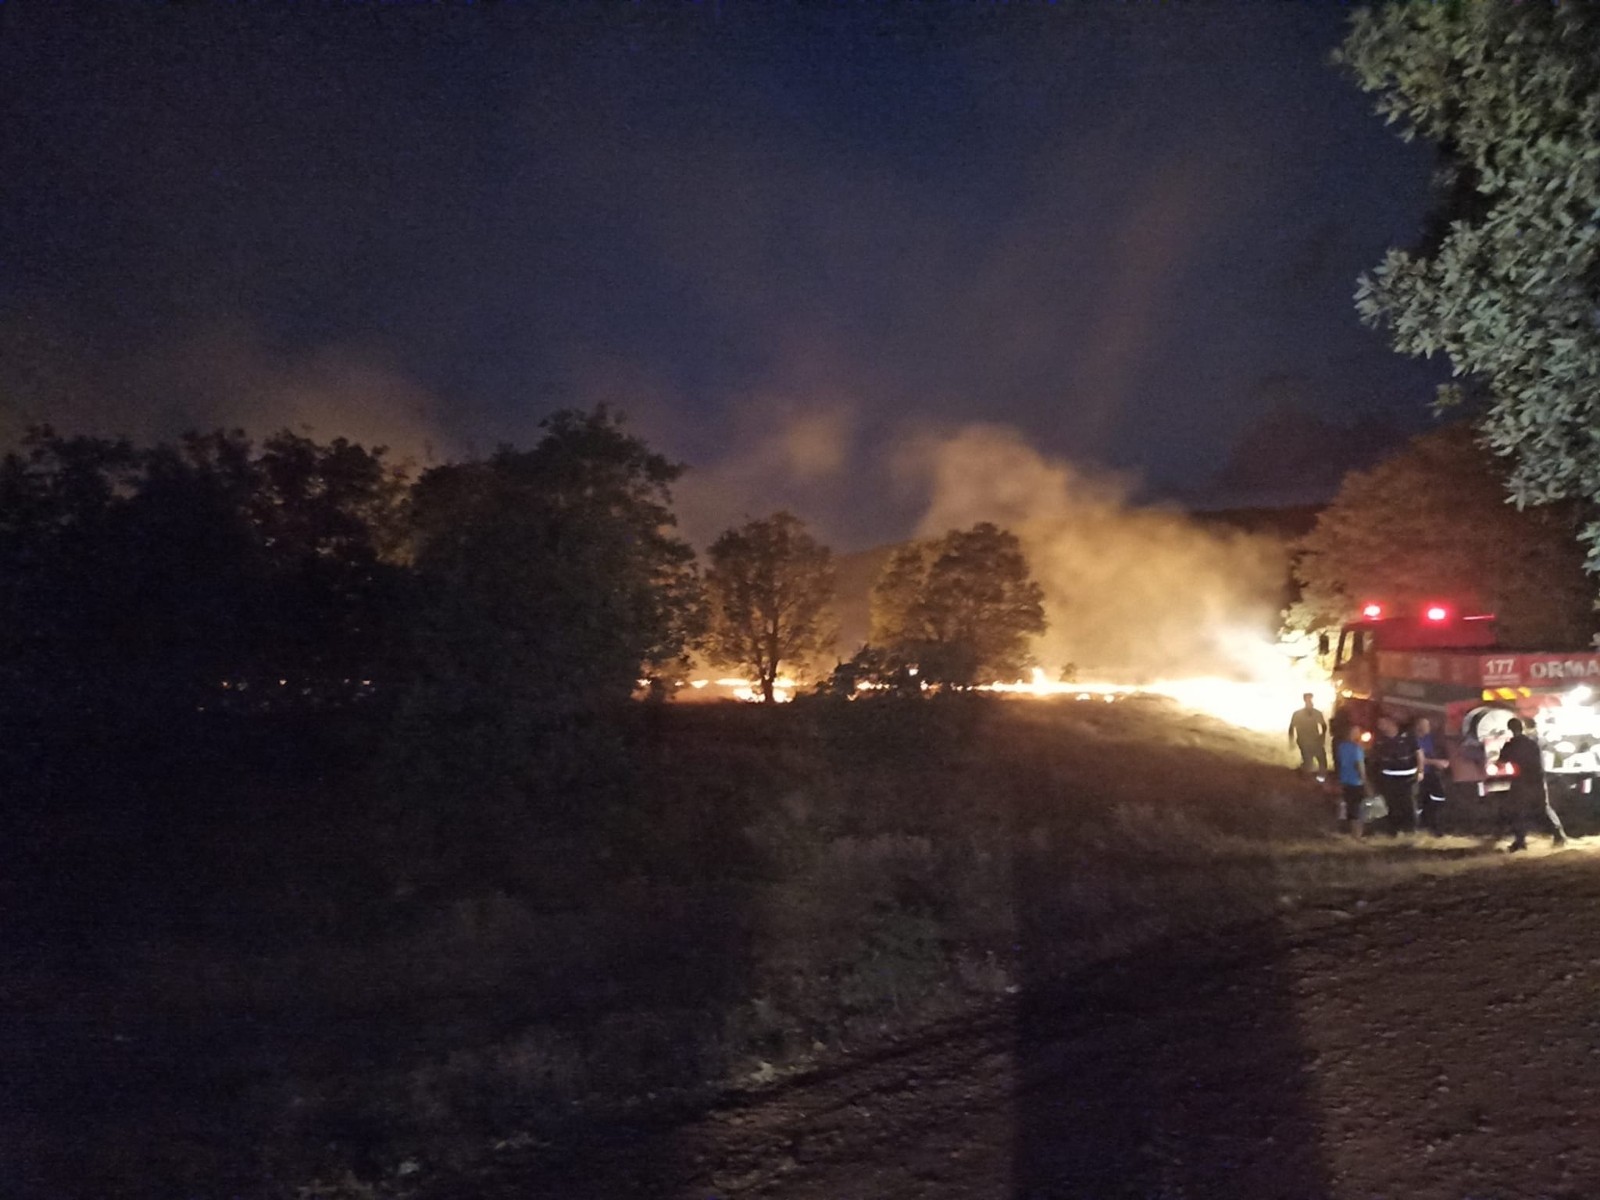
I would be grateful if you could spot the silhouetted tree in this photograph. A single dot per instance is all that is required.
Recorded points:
(56, 498)
(897, 592)
(1432, 523)
(962, 607)
(769, 584)
(141, 581)
(551, 577)
(548, 583)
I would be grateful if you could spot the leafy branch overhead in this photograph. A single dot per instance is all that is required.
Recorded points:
(1508, 285)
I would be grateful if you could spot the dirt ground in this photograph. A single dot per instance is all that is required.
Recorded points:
(1439, 1040)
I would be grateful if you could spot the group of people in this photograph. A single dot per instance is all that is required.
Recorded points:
(1399, 787)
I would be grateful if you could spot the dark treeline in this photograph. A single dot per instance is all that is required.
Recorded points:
(216, 574)
(143, 584)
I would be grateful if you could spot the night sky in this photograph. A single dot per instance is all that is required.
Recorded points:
(784, 240)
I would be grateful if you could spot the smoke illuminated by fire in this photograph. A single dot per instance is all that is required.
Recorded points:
(1139, 600)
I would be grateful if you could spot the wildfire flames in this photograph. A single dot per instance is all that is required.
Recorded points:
(783, 688)
(1143, 600)
(1256, 704)
(1266, 683)
(1270, 680)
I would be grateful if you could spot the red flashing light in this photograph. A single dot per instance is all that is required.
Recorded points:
(1436, 612)
(1372, 612)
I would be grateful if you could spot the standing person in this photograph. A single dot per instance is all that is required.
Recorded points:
(1351, 761)
(1528, 791)
(1399, 766)
(1309, 732)
(1339, 724)
(1431, 794)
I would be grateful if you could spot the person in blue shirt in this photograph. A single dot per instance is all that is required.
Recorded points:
(1351, 761)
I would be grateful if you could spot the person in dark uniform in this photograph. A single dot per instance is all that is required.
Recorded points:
(1399, 765)
(1528, 794)
(1308, 732)
(1431, 793)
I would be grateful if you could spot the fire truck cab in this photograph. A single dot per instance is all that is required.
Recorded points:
(1450, 668)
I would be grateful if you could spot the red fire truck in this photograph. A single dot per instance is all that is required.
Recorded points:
(1450, 668)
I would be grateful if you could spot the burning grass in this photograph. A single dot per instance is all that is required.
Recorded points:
(772, 888)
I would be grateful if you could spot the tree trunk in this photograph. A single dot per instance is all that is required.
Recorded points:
(766, 687)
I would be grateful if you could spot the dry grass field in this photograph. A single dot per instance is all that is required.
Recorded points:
(270, 1008)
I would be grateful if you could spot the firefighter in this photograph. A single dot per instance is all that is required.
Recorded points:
(1399, 764)
(1432, 791)
(1529, 792)
(1308, 731)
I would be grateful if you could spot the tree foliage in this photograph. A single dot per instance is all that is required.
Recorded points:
(1509, 286)
(770, 584)
(547, 582)
(549, 578)
(961, 606)
(1431, 523)
(146, 579)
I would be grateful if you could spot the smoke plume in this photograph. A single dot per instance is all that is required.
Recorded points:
(1131, 593)
(225, 376)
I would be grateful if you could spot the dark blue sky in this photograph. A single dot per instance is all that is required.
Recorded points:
(786, 239)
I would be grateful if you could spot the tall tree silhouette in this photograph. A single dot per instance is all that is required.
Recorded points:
(962, 606)
(770, 584)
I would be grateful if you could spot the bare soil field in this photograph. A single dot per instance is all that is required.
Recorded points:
(1437, 1040)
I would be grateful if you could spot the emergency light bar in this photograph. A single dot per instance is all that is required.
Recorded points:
(1434, 613)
